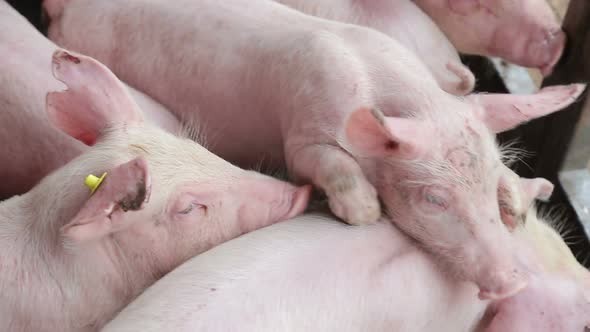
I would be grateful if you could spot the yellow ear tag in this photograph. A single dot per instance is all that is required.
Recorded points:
(93, 182)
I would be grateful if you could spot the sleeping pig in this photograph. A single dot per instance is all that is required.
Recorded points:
(69, 259)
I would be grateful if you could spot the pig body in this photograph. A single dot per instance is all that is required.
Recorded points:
(315, 274)
(69, 259)
(408, 24)
(342, 106)
(29, 146)
(524, 32)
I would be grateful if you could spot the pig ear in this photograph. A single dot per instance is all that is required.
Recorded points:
(372, 134)
(502, 112)
(516, 198)
(125, 188)
(95, 98)
(537, 188)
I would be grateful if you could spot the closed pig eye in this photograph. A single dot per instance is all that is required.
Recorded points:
(192, 206)
(435, 198)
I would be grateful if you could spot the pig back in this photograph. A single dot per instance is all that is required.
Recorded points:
(309, 273)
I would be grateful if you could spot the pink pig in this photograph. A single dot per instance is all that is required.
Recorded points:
(69, 261)
(525, 32)
(29, 146)
(342, 106)
(404, 21)
(315, 274)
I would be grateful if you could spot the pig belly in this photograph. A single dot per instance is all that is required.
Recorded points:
(307, 274)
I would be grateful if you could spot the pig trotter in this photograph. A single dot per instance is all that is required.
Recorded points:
(351, 196)
(353, 199)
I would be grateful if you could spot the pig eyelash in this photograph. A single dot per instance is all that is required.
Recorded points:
(191, 207)
(188, 209)
(432, 199)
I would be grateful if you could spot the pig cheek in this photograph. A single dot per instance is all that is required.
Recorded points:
(396, 200)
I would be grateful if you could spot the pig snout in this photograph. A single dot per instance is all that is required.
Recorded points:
(547, 48)
(286, 201)
(541, 49)
(496, 266)
(499, 284)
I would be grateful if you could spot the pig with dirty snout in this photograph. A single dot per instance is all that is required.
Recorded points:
(341, 106)
(312, 273)
(69, 259)
(524, 32)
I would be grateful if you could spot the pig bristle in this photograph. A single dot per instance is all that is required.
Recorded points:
(555, 217)
(193, 130)
(510, 153)
(437, 169)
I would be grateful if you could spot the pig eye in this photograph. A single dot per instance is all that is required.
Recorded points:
(432, 199)
(435, 198)
(191, 207)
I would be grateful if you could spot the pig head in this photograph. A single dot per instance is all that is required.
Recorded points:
(557, 298)
(164, 199)
(443, 183)
(525, 32)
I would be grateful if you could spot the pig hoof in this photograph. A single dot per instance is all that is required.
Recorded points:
(355, 203)
(465, 76)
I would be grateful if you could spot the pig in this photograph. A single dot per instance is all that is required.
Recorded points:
(341, 106)
(524, 32)
(406, 22)
(313, 273)
(30, 147)
(69, 259)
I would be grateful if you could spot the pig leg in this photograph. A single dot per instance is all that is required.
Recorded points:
(351, 196)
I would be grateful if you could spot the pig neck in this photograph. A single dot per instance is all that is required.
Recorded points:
(81, 286)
